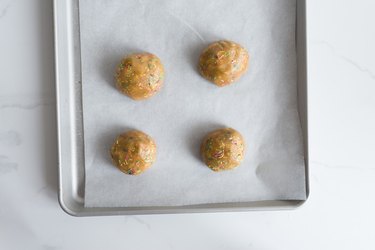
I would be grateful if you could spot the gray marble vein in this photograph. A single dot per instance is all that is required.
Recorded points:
(138, 220)
(49, 247)
(4, 10)
(6, 166)
(142, 222)
(358, 168)
(10, 138)
(356, 65)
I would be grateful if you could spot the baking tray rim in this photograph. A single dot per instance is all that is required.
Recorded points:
(70, 197)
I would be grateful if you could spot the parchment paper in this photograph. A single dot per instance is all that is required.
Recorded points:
(262, 105)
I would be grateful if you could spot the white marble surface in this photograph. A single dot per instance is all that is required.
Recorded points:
(340, 211)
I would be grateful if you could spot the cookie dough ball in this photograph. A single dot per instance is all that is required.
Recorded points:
(223, 149)
(140, 76)
(223, 62)
(133, 152)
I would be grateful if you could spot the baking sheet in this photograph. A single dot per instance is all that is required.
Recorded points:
(262, 105)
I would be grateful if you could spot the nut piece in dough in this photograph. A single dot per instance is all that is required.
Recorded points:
(223, 62)
(133, 152)
(140, 76)
(223, 149)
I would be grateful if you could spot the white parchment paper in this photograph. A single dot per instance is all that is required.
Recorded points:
(262, 105)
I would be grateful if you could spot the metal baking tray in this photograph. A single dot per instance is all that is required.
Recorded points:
(70, 122)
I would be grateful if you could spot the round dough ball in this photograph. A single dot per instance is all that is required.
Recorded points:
(223, 149)
(140, 76)
(223, 62)
(133, 152)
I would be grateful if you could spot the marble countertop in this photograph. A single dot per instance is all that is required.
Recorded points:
(338, 215)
